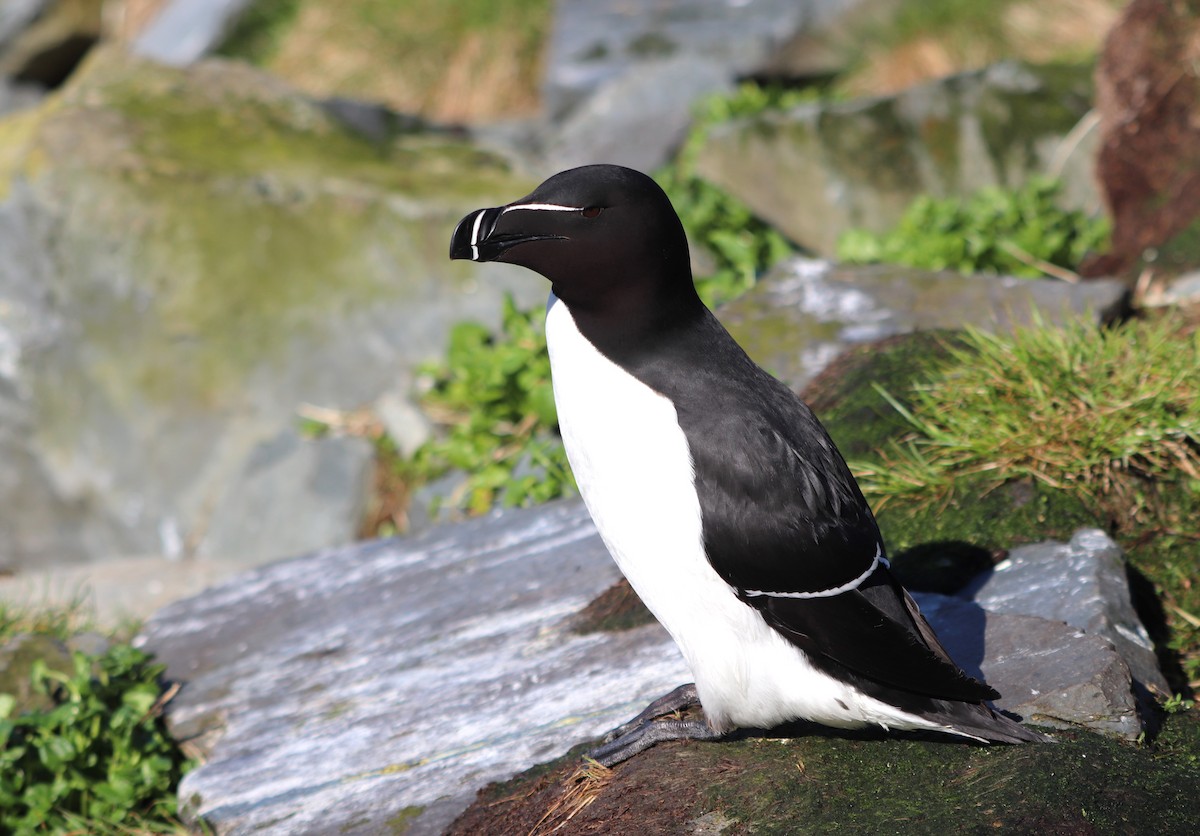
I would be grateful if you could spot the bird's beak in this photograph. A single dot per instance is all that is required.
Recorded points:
(486, 234)
(470, 238)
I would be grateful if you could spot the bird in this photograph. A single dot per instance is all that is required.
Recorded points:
(716, 490)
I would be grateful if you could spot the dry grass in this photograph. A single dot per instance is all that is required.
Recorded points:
(582, 788)
(449, 62)
(935, 39)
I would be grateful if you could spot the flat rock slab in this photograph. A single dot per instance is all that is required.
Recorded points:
(806, 312)
(352, 687)
(388, 681)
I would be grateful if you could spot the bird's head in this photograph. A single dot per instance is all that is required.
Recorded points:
(604, 235)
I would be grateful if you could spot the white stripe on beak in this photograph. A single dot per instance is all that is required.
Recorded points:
(475, 236)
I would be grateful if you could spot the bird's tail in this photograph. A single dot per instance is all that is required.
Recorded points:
(978, 721)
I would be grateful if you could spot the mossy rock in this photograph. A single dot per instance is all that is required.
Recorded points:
(823, 783)
(192, 254)
(860, 163)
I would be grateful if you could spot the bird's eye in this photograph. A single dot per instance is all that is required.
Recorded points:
(592, 211)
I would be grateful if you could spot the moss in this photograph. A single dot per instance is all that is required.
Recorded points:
(1087, 783)
(941, 137)
(186, 131)
(16, 135)
(844, 396)
(851, 783)
(613, 610)
(402, 821)
(244, 211)
(652, 45)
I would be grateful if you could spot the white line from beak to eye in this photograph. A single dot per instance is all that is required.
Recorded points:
(475, 236)
(542, 207)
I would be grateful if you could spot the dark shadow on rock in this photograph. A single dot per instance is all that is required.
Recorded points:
(960, 626)
(943, 566)
(1150, 610)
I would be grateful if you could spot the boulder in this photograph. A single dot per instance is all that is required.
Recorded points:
(1148, 163)
(389, 681)
(596, 42)
(806, 312)
(622, 77)
(16, 96)
(821, 168)
(189, 258)
(637, 119)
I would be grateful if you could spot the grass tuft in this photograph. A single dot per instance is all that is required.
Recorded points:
(1079, 407)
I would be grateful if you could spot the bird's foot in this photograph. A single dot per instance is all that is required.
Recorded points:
(684, 696)
(647, 734)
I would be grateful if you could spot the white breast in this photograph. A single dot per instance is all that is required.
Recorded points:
(634, 469)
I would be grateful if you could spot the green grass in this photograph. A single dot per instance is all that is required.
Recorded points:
(1077, 406)
(1020, 232)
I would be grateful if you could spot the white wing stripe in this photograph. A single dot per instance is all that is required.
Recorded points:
(828, 593)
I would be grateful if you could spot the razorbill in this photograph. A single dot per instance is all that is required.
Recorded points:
(718, 493)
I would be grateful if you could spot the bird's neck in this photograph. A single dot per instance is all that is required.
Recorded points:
(631, 324)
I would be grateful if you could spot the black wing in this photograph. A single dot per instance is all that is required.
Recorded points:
(781, 510)
(786, 525)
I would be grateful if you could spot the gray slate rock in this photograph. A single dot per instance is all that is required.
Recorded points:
(15, 97)
(342, 689)
(1083, 583)
(622, 77)
(1047, 672)
(637, 119)
(596, 41)
(186, 30)
(820, 169)
(347, 687)
(806, 312)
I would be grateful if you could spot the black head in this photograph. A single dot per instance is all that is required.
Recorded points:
(607, 238)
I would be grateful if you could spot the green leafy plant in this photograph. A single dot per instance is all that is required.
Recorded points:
(1074, 406)
(1022, 232)
(493, 398)
(99, 760)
